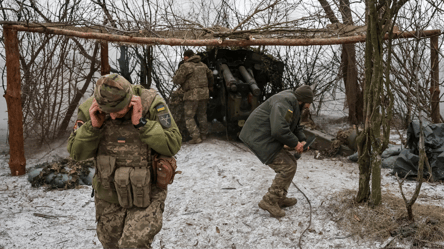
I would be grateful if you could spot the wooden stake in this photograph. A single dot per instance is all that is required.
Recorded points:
(105, 69)
(17, 161)
(434, 88)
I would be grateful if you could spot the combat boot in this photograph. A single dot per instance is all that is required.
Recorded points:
(195, 140)
(287, 202)
(270, 203)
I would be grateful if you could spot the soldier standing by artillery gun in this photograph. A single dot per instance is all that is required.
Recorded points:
(196, 80)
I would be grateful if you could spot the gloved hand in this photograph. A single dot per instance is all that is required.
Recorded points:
(96, 115)
(136, 103)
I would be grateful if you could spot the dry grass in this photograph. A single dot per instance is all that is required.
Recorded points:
(388, 219)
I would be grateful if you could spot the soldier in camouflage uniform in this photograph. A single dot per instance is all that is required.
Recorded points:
(196, 79)
(122, 127)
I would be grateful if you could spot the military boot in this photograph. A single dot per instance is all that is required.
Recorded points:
(195, 140)
(287, 202)
(270, 203)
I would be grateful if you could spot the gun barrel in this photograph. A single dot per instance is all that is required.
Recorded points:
(250, 80)
(230, 81)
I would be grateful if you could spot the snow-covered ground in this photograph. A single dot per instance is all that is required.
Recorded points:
(211, 204)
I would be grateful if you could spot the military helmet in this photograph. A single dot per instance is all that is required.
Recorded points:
(113, 93)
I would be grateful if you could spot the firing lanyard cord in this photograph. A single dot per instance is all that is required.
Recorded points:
(309, 203)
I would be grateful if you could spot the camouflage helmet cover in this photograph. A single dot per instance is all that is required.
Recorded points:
(113, 93)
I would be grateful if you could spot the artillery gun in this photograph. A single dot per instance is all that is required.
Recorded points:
(243, 79)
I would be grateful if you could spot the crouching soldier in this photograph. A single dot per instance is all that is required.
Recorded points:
(124, 128)
(273, 124)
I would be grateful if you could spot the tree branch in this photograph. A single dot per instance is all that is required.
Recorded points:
(257, 10)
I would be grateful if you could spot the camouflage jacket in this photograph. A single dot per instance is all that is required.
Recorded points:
(195, 78)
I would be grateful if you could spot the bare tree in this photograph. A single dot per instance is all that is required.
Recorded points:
(378, 97)
(422, 160)
(52, 68)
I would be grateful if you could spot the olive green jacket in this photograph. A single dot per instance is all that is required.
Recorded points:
(273, 124)
(84, 141)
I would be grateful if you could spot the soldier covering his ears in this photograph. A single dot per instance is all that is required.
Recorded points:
(123, 127)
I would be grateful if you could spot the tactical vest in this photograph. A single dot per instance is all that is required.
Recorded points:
(123, 163)
(122, 141)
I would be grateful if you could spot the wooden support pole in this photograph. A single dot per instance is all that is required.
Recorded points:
(150, 65)
(434, 87)
(17, 161)
(219, 42)
(105, 69)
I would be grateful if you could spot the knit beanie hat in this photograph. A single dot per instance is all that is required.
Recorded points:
(188, 53)
(304, 94)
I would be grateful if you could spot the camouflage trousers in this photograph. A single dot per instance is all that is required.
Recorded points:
(191, 109)
(119, 227)
(285, 167)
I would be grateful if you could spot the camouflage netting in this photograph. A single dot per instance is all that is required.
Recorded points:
(62, 174)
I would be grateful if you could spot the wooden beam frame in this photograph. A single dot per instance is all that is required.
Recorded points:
(219, 42)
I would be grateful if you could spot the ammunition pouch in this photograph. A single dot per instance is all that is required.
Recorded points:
(123, 186)
(131, 184)
(105, 166)
(141, 185)
(164, 169)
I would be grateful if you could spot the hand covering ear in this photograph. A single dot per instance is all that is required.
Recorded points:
(136, 103)
(96, 115)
